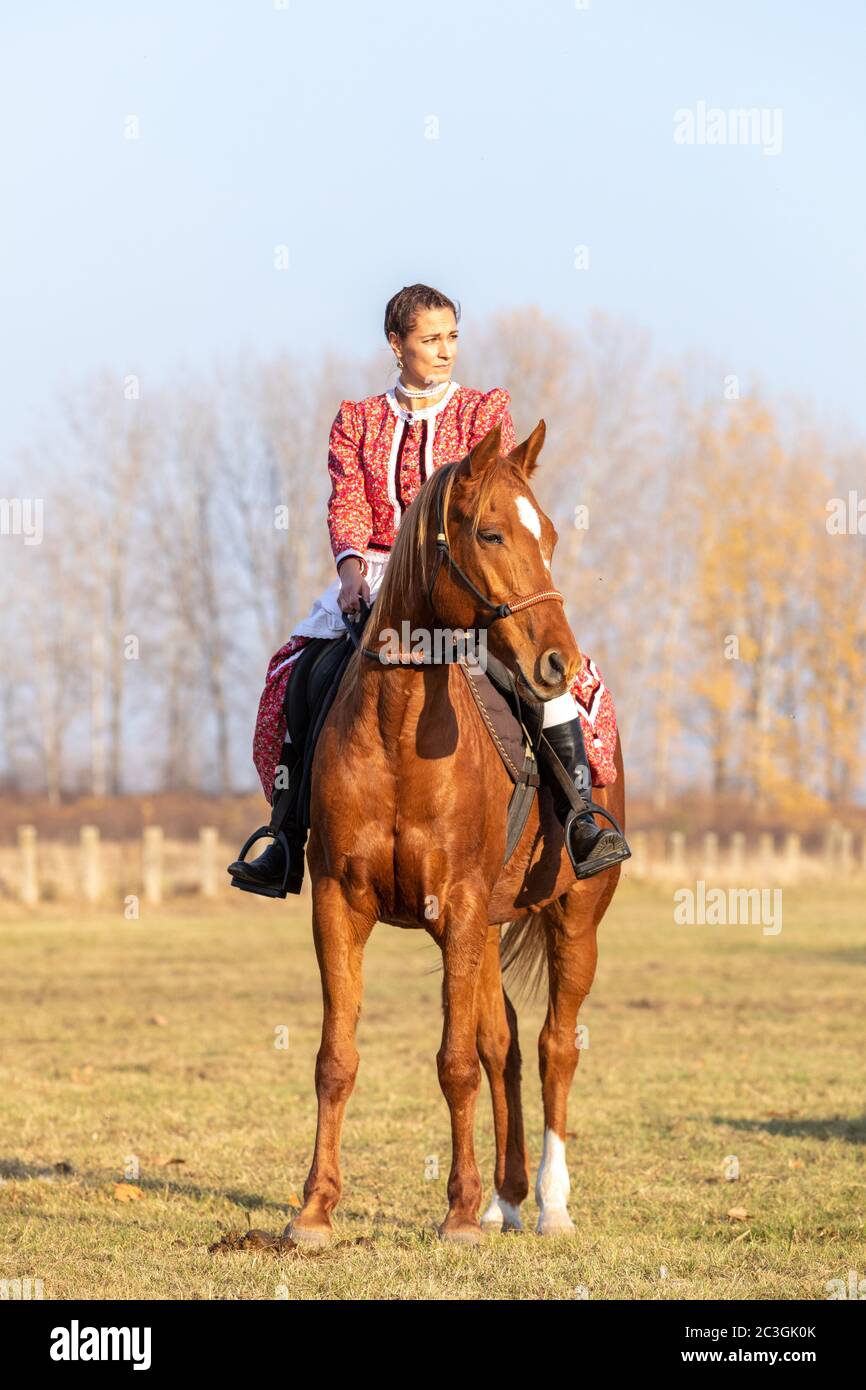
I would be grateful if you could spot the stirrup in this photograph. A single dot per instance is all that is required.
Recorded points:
(291, 883)
(609, 849)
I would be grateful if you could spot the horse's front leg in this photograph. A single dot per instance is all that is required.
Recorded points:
(459, 1069)
(499, 1050)
(572, 954)
(340, 933)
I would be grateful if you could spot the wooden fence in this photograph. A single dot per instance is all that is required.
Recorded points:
(765, 859)
(154, 868)
(96, 870)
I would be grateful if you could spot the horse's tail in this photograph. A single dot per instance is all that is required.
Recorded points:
(523, 954)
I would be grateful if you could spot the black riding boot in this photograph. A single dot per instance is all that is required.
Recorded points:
(272, 874)
(267, 873)
(591, 847)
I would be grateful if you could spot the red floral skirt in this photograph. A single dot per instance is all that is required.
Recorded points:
(594, 703)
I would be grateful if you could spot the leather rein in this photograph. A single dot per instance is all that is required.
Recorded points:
(443, 554)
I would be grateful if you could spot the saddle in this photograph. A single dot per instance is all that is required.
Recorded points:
(514, 725)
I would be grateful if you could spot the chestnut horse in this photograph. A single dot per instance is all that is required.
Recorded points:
(408, 817)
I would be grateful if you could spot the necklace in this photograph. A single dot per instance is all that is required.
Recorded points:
(412, 395)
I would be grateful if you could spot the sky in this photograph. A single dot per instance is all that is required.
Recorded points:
(471, 144)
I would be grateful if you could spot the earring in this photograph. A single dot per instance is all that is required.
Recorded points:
(400, 363)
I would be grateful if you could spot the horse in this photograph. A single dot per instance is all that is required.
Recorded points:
(408, 826)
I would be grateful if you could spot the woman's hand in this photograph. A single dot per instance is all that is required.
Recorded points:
(353, 586)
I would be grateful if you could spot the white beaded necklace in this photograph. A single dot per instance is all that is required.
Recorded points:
(410, 394)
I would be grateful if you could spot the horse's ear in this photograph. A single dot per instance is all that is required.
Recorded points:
(484, 455)
(526, 454)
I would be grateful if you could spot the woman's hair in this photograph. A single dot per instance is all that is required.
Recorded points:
(403, 307)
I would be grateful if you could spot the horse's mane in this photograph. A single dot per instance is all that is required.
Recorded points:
(408, 569)
(409, 564)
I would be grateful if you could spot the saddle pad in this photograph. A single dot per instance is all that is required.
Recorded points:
(597, 718)
(594, 701)
(503, 727)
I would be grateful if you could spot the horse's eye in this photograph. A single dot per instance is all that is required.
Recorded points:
(490, 537)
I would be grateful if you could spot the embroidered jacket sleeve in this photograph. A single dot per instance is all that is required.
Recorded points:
(350, 518)
(493, 409)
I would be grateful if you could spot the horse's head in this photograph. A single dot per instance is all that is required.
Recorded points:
(503, 542)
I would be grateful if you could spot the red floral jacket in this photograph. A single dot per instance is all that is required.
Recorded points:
(379, 455)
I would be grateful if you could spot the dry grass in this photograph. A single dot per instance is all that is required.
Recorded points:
(704, 1042)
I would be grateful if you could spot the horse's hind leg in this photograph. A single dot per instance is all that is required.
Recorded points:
(571, 925)
(340, 935)
(499, 1051)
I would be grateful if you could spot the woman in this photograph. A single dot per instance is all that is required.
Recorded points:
(381, 450)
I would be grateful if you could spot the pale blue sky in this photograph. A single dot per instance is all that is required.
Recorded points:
(306, 126)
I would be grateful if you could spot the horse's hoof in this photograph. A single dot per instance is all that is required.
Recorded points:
(461, 1235)
(501, 1217)
(555, 1223)
(314, 1237)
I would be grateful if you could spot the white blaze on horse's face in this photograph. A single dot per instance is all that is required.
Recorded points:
(532, 521)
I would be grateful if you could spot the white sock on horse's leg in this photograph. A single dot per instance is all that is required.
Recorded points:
(505, 1216)
(552, 1187)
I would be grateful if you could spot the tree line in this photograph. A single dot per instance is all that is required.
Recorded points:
(710, 548)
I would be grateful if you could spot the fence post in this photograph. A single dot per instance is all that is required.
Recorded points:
(152, 864)
(207, 837)
(846, 851)
(831, 845)
(29, 871)
(91, 878)
(793, 853)
(639, 858)
(738, 853)
(766, 851)
(711, 852)
(678, 851)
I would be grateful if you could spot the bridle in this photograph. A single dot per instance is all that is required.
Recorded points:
(443, 556)
(499, 610)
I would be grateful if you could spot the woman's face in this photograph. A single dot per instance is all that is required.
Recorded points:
(429, 349)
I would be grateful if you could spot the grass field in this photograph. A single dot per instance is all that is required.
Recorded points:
(154, 1041)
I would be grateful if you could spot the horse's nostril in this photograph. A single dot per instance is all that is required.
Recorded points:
(552, 667)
